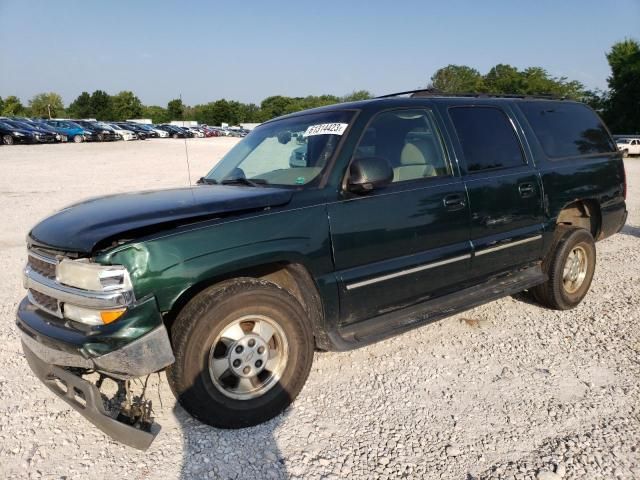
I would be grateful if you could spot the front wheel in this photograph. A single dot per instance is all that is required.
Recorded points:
(570, 266)
(78, 138)
(625, 153)
(175, 135)
(243, 352)
(7, 140)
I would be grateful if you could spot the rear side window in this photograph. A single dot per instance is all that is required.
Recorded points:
(487, 137)
(567, 129)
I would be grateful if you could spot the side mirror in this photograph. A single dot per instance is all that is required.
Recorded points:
(368, 173)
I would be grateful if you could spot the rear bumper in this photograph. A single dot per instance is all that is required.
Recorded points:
(85, 397)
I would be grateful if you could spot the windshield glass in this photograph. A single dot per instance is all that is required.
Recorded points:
(623, 140)
(292, 151)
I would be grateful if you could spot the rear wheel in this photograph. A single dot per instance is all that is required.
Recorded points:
(625, 153)
(570, 266)
(7, 140)
(243, 352)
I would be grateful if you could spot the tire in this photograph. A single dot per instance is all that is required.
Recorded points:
(625, 153)
(100, 137)
(7, 140)
(78, 139)
(175, 135)
(560, 291)
(201, 341)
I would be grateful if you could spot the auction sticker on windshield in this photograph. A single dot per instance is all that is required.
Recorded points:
(326, 129)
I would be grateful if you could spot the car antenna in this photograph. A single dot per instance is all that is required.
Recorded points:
(186, 152)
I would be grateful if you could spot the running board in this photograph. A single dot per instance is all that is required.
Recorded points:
(399, 321)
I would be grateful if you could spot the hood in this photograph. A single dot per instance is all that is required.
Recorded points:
(81, 227)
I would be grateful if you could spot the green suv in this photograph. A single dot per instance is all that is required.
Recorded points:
(326, 229)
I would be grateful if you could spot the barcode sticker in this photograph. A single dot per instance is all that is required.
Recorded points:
(326, 129)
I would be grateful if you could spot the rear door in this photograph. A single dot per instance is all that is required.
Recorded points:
(504, 188)
(407, 242)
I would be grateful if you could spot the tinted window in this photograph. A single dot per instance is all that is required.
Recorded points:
(567, 129)
(409, 141)
(487, 138)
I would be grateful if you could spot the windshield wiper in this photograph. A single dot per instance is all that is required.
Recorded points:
(256, 182)
(206, 181)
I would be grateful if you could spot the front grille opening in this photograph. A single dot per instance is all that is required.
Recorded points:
(42, 267)
(44, 301)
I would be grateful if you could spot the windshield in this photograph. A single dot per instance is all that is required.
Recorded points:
(292, 151)
(624, 140)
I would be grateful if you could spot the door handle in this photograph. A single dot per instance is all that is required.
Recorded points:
(454, 202)
(526, 190)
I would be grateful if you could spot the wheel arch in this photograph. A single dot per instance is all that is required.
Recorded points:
(584, 213)
(293, 277)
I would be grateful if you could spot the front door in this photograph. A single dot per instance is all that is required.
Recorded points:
(504, 188)
(407, 242)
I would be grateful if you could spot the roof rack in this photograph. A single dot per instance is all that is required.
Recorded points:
(434, 92)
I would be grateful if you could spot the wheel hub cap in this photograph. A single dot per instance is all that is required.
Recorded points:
(575, 269)
(248, 357)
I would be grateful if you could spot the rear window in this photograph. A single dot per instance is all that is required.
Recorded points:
(567, 129)
(487, 138)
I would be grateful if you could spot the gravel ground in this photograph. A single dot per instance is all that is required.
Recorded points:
(507, 390)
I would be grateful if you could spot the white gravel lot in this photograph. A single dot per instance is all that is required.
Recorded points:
(507, 390)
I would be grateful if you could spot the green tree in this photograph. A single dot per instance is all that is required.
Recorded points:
(175, 109)
(503, 79)
(12, 106)
(156, 113)
(47, 105)
(622, 111)
(458, 79)
(126, 106)
(101, 105)
(275, 106)
(81, 107)
(1, 104)
(357, 95)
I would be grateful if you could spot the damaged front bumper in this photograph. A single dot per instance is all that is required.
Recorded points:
(136, 345)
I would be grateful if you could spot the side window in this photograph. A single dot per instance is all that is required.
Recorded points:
(487, 137)
(409, 140)
(567, 129)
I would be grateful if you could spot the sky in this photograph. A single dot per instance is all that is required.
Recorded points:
(246, 51)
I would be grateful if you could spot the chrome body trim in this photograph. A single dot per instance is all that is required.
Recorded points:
(409, 271)
(507, 245)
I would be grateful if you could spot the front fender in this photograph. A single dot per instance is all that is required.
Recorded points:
(169, 265)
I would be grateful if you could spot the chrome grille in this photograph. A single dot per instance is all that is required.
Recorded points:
(42, 265)
(44, 302)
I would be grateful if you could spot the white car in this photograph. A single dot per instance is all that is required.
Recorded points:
(629, 146)
(161, 133)
(196, 132)
(124, 133)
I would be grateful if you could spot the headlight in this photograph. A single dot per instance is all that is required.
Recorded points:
(89, 316)
(18, 134)
(93, 276)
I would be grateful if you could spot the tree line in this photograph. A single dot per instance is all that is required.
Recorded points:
(619, 104)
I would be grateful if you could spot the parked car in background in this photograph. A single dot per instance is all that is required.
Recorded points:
(629, 146)
(196, 132)
(73, 131)
(11, 134)
(153, 128)
(172, 130)
(96, 131)
(60, 135)
(39, 134)
(125, 134)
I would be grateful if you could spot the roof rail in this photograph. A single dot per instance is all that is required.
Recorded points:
(434, 92)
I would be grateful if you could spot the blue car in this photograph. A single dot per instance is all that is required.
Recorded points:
(72, 130)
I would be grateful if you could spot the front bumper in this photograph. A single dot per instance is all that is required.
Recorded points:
(85, 397)
(133, 346)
